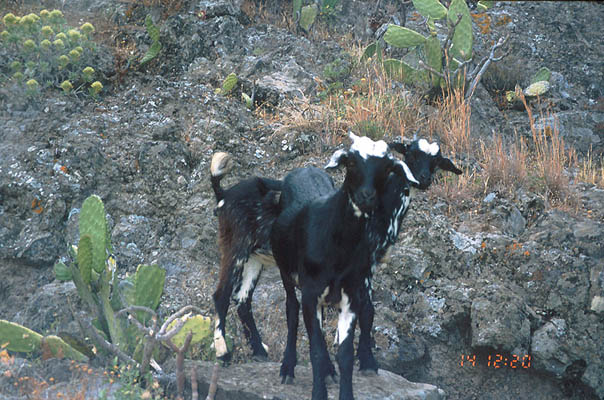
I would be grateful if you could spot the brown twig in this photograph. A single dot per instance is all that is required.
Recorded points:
(194, 393)
(180, 362)
(110, 347)
(485, 64)
(213, 382)
(452, 31)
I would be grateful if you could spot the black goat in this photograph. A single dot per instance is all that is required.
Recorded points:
(322, 243)
(423, 160)
(246, 213)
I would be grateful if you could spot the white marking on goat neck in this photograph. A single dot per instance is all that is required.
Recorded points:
(408, 172)
(220, 203)
(251, 270)
(357, 210)
(219, 342)
(367, 147)
(344, 319)
(428, 148)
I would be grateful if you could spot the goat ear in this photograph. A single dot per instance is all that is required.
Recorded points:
(447, 165)
(401, 169)
(337, 158)
(399, 147)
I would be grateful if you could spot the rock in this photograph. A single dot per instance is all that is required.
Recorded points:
(252, 381)
(597, 304)
(514, 223)
(500, 320)
(547, 350)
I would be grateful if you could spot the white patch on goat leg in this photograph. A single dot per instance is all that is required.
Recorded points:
(367, 147)
(344, 319)
(219, 342)
(251, 270)
(320, 304)
(428, 148)
(265, 259)
(220, 203)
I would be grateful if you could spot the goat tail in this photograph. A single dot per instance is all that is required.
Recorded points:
(220, 166)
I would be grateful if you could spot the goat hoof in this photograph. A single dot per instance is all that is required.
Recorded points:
(287, 380)
(369, 372)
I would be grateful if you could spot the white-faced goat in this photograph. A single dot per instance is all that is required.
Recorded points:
(246, 213)
(423, 159)
(321, 242)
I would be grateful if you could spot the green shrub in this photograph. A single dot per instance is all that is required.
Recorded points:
(51, 51)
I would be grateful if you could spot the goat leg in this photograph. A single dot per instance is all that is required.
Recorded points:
(368, 364)
(289, 356)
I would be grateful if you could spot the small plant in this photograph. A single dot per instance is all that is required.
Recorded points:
(155, 48)
(43, 51)
(305, 15)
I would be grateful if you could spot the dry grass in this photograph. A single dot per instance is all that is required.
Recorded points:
(591, 171)
(452, 123)
(369, 105)
(504, 168)
(550, 157)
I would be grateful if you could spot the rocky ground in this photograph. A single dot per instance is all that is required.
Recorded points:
(508, 275)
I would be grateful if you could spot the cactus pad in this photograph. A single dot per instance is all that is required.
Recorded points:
(542, 75)
(399, 36)
(85, 258)
(229, 83)
(148, 286)
(62, 272)
(60, 349)
(430, 8)
(94, 224)
(19, 338)
(461, 47)
(200, 325)
(308, 15)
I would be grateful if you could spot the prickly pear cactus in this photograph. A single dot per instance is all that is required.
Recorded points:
(296, 7)
(461, 47)
(59, 348)
(433, 54)
(229, 83)
(430, 8)
(24, 340)
(308, 15)
(148, 287)
(62, 272)
(544, 74)
(85, 257)
(19, 338)
(198, 324)
(94, 224)
(400, 70)
(155, 48)
(399, 36)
